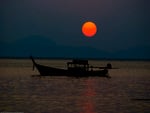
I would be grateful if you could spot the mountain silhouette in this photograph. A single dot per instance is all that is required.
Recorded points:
(40, 46)
(138, 52)
(44, 47)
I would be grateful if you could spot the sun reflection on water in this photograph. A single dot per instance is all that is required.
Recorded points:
(87, 104)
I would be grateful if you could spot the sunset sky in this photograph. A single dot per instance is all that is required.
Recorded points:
(122, 25)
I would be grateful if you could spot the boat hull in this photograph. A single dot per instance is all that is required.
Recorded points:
(51, 71)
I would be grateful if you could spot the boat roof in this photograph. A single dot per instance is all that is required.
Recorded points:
(81, 62)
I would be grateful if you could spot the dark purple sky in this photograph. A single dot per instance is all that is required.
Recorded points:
(122, 24)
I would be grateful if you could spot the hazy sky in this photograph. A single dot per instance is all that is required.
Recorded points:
(122, 24)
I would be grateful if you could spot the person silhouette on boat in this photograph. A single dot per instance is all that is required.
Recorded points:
(109, 66)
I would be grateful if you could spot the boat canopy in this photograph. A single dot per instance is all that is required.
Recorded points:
(80, 62)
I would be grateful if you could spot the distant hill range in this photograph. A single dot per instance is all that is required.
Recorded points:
(46, 48)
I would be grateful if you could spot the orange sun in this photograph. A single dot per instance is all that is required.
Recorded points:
(89, 29)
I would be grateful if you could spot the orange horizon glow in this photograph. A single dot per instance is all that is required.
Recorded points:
(89, 29)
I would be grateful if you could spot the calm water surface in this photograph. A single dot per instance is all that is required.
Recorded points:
(128, 91)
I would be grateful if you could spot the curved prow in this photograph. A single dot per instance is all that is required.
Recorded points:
(34, 63)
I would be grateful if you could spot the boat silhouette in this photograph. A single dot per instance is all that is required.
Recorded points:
(76, 68)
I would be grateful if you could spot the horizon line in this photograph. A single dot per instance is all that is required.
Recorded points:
(69, 58)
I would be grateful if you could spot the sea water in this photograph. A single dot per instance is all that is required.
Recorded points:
(128, 91)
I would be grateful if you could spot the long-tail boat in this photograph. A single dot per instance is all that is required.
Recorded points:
(76, 68)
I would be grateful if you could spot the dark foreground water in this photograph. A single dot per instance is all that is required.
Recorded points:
(128, 91)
